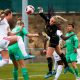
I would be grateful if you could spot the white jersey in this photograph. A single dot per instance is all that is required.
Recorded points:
(3, 33)
(78, 56)
(4, 28)
(55, 55)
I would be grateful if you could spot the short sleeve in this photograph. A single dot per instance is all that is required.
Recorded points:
(25, 31)
(76, 42)
(75, 37)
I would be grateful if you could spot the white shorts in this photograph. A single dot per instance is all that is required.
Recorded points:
(56, 56)
(4, 44)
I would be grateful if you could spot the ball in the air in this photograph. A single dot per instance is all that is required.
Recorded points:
(30, 9)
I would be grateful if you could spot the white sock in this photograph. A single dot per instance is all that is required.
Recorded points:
(55, 65)
(22, 46)
(59, 70)
(4, 62)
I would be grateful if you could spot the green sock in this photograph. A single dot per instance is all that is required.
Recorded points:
(25, 74)
(71, 70)
(76, 72)
(15, 73)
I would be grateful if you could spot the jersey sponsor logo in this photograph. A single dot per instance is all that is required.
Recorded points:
(56, 56)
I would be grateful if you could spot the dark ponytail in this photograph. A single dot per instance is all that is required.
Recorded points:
(50, 11)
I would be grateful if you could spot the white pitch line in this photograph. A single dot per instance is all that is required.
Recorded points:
(29, 76)
(21, 77)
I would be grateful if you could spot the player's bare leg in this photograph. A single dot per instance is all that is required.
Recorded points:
(58, 50)
(18, 39)
(49, 52)
(23, 69)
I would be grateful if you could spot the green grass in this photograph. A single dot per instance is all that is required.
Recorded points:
(36, 72)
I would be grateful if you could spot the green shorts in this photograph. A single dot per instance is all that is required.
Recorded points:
(71, 57)
(15, 54)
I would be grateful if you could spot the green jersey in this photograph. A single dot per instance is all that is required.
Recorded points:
(23, 33)
(71, 43)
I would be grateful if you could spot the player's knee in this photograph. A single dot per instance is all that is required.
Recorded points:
(74, 65)
(22, 65)
(49, 54)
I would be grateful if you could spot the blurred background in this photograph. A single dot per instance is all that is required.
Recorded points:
(69, 9)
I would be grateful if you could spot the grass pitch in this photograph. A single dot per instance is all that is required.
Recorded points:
(36, 72)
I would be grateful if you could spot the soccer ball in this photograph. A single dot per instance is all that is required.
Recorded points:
(30, 9)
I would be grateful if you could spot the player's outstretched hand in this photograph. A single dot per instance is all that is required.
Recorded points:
(40, 9)
(36, 35)
(44, 51)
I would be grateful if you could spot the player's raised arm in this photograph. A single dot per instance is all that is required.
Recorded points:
(32, 35)
(66, 37)
(26, 33)
(59, 33)
(42, 14)
(10, 33)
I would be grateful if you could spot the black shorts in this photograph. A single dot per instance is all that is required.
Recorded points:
(54, 41)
